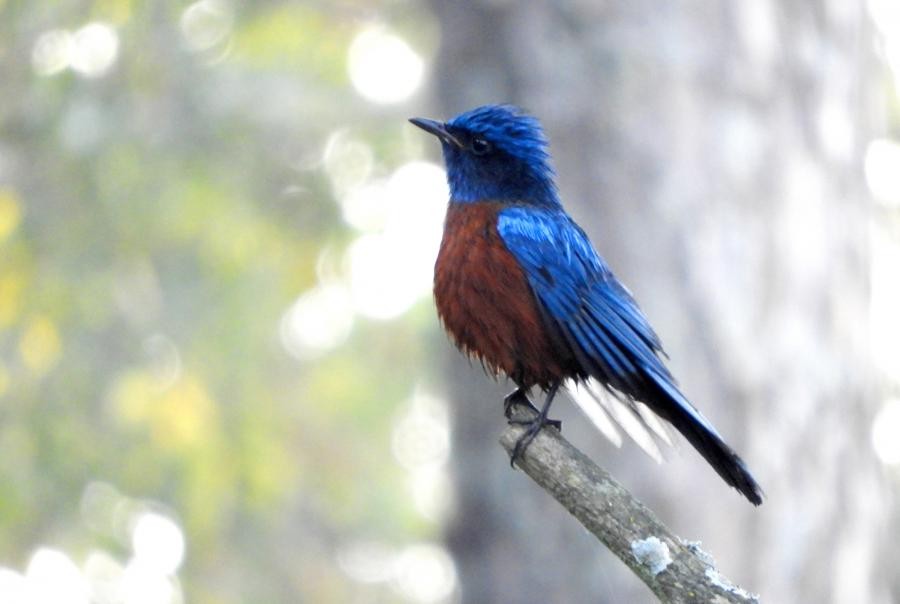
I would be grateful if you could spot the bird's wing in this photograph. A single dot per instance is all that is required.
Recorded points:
(606, 330)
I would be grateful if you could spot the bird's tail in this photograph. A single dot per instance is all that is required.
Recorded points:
(666, 400)
(605, 409)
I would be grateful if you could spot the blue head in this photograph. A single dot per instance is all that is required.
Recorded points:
(495, 153)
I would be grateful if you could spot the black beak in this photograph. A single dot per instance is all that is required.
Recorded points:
(436, 128)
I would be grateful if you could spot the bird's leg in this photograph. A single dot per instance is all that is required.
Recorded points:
(518, 397)
(534, 425)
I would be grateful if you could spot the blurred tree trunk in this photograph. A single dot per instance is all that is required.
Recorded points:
(712, 152)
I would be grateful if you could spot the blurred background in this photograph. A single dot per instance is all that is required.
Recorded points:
(221, 375)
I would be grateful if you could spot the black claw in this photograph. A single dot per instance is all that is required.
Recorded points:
(534, 425)
(516, 397)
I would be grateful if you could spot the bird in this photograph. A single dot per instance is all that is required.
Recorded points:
(519, 286)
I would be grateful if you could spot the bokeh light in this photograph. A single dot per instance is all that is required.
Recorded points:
(884, 300)
(90, 51)
(421, 444)
(348, 162)
(886, 433)
(52, 52)
(383, 67)
(425, 573)
(206, 24)
(158, 543)
(104, 574)
(391, 270)
(13, 587)
(422, 436)
(421, 572)
(52, 578)
(367, 561)
(886, 17)
(318, 321)
(380, 282)
(141, 584)
(94, 49)
(881, 164)
(366, 207)
(99, 502)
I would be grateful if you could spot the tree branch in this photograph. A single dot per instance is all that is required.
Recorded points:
(676, 570)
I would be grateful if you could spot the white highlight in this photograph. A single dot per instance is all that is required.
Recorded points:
(141, 584)
(380, 283)
(383, 68)
(158, 543)
(104, 574)
(886, 433)
(391, 270)
(367, 561)
(886, 17)
(421, 444)
(422, 436)
(836, 130)
(206, 23)
(13, 587)
(425, 573)
(320, 320)
(94, 50)
(52, 578)
(652, 553)
(884, 300)
(52, 52)
(348, 162)
(881, 166)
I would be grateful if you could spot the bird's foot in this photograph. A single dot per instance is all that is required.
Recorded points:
(517, 397)
(534, 424)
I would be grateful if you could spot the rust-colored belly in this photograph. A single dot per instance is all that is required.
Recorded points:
(486, 305)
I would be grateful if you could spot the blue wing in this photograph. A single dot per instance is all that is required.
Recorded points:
(607, 332)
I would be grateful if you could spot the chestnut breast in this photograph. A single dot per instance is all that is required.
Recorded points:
(486, 305)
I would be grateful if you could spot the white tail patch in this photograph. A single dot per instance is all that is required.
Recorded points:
(594, 411)
(607, 411)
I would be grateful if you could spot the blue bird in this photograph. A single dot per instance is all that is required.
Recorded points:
(519, 286)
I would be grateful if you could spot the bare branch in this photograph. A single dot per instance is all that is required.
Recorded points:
(677, 571)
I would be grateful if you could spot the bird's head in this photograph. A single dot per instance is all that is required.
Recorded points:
(495, 153)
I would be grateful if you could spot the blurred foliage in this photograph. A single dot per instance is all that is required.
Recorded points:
(156, 222)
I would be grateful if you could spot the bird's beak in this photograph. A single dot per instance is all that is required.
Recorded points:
(436, 128)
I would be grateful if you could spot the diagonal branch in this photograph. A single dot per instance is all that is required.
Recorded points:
(675, 570)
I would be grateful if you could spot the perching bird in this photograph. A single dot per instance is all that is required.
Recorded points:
(519, 286)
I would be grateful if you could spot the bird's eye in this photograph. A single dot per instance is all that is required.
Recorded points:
(480, 146)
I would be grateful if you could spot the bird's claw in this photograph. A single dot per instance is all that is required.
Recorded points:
(516, 397)
(533, 426)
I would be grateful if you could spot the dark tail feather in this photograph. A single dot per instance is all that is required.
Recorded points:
(671, 406)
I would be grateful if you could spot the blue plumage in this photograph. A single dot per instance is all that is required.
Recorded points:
(588, 306)
(555, 309)
(513, 165)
